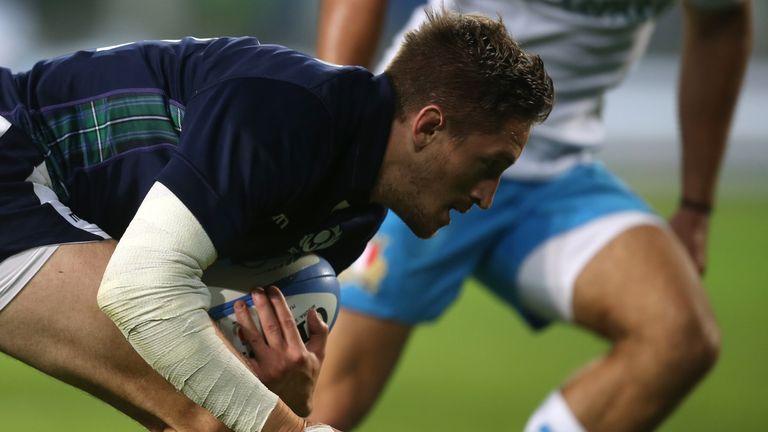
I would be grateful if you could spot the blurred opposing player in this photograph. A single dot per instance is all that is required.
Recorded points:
(197, 151)
(566, 240)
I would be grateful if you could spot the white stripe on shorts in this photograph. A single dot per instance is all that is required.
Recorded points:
(17, 270)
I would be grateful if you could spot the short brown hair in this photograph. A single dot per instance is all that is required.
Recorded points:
(470, 66)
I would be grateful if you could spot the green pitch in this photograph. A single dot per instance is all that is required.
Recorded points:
(482, 369)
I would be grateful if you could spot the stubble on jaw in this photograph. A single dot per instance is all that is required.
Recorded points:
(401, 191)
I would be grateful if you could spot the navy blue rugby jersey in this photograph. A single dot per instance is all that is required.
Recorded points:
(273, 151)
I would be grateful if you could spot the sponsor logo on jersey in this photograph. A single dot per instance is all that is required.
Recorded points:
(307, 244)
(281, 220)
(321, 240)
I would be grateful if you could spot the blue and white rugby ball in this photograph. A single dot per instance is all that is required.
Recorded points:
(309, 282)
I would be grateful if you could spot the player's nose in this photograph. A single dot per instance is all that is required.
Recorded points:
(483, 192)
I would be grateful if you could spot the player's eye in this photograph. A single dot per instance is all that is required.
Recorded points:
(493, 168)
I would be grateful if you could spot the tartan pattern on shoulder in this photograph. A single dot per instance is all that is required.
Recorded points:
(88, 132)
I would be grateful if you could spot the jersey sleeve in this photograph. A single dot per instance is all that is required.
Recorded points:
(250, 147)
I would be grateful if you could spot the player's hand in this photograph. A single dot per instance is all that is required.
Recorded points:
(281, 360)
(692, 228)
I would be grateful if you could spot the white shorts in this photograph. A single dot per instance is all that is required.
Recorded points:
(17, 270)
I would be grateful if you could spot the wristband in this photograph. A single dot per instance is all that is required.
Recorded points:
(697, 206)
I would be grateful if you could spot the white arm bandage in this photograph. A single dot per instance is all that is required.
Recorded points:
(152, 291)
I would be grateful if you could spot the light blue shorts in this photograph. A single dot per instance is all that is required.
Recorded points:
(528, 249)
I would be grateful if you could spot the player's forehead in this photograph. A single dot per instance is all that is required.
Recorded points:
(507, 142)
(515, 134)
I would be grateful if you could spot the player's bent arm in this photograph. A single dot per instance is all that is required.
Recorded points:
(349, 30)
(361, 354)
(716, 46)
(152, 290)
(717, 41)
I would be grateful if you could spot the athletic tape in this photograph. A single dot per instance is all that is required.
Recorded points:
(152, 290)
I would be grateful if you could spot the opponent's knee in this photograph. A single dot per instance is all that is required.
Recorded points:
(702, 346)
(687, 343)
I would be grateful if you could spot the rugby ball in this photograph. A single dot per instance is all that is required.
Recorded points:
(308, 282)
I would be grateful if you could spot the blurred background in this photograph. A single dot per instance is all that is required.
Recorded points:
(480, 357)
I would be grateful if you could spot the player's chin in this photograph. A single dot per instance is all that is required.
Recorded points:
(427, 227)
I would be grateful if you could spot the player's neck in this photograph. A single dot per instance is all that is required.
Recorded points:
(391, 165)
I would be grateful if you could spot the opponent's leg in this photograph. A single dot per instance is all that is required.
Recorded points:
(588, 250)
(361, 355)
(55, 325)
(642, 293)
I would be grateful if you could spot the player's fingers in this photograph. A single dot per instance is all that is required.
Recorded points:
(318, 334)
(247, 329)
(273, 334)
(284, 317)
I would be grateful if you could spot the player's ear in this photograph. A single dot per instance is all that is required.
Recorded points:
(426, 123)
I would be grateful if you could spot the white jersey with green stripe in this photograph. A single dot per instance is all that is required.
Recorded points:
(588, 47)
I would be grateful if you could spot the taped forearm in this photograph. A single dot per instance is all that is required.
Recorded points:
(152, 291)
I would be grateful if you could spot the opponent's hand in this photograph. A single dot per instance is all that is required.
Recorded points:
(692, 228)
(281, 361)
